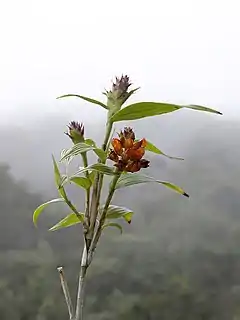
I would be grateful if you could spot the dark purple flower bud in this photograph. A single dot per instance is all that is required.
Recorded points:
(119, 93)
(76, 131)
(121, 85)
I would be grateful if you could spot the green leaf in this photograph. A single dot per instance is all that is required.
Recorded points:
(99, 167)
(90, 142)
(112, 224)
(82, 182)
(152, 148)
(201, 108)
(147, 109)
(128, 216)
(116, 212)
(129, 179)
(57, 175)
(68, 221)
(84, 98)
(39, 209)
(91, 176)
(59, 180)
(67, 159)
(82, 147)
(143, 109)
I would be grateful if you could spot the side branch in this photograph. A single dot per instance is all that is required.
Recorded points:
(66, 292)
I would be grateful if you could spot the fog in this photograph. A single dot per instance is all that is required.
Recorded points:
(179, 258)
(181, 51)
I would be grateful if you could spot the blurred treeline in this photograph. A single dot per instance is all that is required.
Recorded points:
(178, 260)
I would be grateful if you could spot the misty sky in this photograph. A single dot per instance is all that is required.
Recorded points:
(184, 51)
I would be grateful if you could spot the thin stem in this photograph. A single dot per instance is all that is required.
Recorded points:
(66, 292)
(97, 187)
(81, 286)
(85, 164)
(103, 216)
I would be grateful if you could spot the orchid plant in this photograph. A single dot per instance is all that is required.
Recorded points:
(120, 157)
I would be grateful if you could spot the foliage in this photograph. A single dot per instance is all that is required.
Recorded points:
(142, 274)
(126, 152)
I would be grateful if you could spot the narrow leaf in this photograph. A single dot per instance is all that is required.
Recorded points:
(201, 108)
(147, 109)
(68, 221)
(57, 175)
(112, 224)
(82, 182)
(128, 216)
(91, 176)
(39, 209)
(59, 180)
(116, 212)
(99, 167)
(84, 98)
(67, 159)
(142, 110)
(152, 148)
(90, 142)
(129, 179)
(82, 147)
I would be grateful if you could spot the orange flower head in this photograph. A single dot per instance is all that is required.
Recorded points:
(127, 143)
(117, 146)
(128, 154)
(140, 143)
(133, 166)
(135, 154)
(113, 156)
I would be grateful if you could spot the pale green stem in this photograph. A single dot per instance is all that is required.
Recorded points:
(103, 217)
(97, 187)
(81, 285)
(85, 164)
(66, 292)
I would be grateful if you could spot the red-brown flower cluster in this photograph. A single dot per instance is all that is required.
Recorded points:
(127, 153)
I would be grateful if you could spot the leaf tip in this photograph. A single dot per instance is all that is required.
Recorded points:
(186, 194)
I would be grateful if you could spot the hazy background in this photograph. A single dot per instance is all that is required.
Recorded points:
(180, 257)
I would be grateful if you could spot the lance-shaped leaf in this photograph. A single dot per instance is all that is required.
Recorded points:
(84, 98)
(91, 176)
(82, 147)
(59, 180)
(142, 110)
(99, 167)
(90, 142)
(152, 148)
(129, 179)
(39, 209)
(67, 159)
(113, 224)
(116, 212)
(201, 108)
(68, 221)
(83, 182)
(147, 109)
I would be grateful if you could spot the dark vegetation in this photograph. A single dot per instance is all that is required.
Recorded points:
(178, 260)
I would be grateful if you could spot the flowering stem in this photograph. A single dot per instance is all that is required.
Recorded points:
(96, 193)
(85, 164)
(103, 215)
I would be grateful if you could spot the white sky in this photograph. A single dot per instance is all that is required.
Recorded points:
(184, 51)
